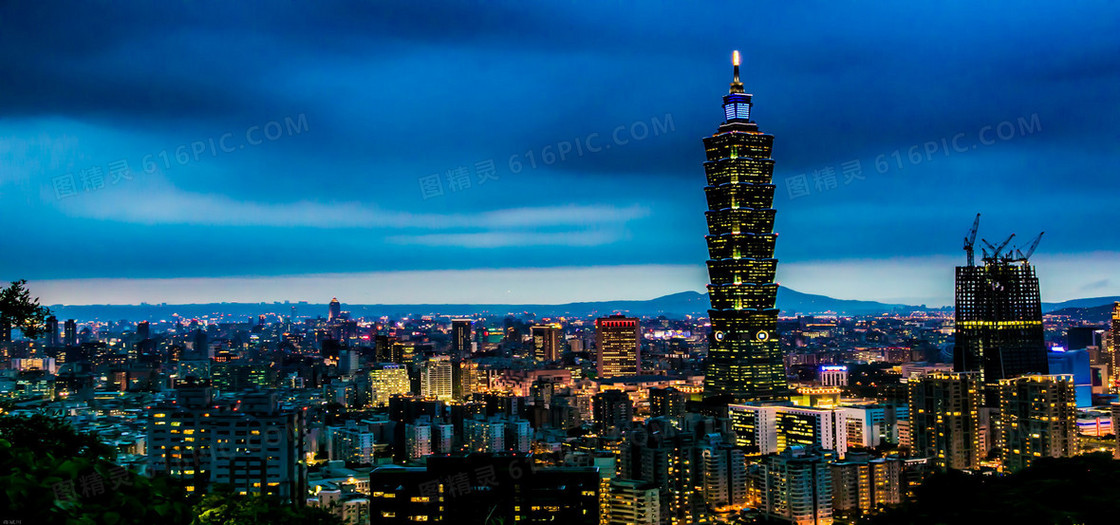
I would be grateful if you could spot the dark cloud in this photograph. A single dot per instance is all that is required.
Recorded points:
(396, 91)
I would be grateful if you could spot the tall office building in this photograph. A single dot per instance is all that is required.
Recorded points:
(387, 380)
(618, 340)
(1113, 343)
(462, 337)
(546, 341)
(796, 485)
(744, 360)
(1038, 419)
(767, 429)
(945, 419)
(998, 318)
(335, 309)
(70, 333)
(51, 333)
(436, 378)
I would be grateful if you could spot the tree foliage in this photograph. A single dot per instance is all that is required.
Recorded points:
(223, 507)
(52, 436)
(19, 310)
(50, 473)
(1077, 490)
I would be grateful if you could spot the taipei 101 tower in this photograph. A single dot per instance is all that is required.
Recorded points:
(744, 361)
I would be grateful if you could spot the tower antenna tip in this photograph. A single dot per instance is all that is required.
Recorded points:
(735, 57)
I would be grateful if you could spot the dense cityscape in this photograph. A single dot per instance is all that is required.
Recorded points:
(748, 403)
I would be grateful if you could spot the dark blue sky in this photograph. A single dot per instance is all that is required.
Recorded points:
(333, 118)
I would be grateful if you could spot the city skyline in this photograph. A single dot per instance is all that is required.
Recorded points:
(387, 263)
(314, 163)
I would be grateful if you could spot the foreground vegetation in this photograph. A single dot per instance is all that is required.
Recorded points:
(49, 473)
(1077, 490)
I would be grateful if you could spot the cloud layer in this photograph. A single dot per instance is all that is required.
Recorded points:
(558, 137)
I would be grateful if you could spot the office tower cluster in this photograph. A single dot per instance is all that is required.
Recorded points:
(1001, 394)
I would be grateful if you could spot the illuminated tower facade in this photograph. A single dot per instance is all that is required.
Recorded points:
(462, 338)
(1112, 344)
(546, 341)
(744, 360)
(335, 309)
(619, 342)
(999, 329)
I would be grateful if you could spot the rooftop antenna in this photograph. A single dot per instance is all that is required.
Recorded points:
(736, 85)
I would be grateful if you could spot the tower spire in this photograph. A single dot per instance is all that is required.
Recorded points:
(736, 85)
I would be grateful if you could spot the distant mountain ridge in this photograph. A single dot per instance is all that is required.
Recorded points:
(790, 302)
(679, 304)
(1091, 302)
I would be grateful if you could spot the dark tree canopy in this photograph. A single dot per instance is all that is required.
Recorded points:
(1077, 490)
(19, 310)
(51, 473)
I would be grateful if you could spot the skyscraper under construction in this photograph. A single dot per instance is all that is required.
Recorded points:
(999, 314)
(744, 360)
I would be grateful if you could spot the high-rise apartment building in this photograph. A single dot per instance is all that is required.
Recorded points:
(1114, 409)
(723, 469)
(619, 345)
(1038, 419)
(945, 419)
(667, 402)
(796, 485)
(633, 502)
(667, 457)
(255, 446)
(860, 484)
(612, 410)
(744, 361)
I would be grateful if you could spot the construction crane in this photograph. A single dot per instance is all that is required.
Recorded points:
(970, 241)
(995, 250)
(1027, 255)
